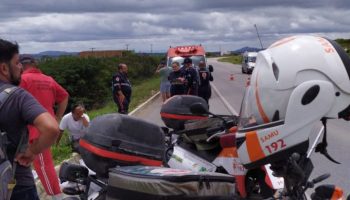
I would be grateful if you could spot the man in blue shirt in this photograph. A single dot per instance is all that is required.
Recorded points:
(121, 89)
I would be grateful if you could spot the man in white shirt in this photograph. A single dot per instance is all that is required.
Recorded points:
(76, 123)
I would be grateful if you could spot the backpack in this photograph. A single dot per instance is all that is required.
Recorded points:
(7, 170)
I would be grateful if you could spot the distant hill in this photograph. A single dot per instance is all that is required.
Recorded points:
(244, 49)
(54, 54)
(57, 53)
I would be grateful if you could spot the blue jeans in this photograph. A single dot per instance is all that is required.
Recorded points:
(21, 192)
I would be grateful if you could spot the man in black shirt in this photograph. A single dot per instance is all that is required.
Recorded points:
(19, 110)
(177, 80)
(121, 89)
(204, 89)
(191, 77)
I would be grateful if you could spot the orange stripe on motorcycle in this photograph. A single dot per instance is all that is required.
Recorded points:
(337, 194)
(118, 156)
(240, 184)
(182, 117)
(253, 146)
(258, 102)
(229, 152)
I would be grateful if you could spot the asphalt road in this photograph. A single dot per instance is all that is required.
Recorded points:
(228, 100)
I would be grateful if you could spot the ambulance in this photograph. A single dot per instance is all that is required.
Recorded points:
(179, 53)
(248, 62)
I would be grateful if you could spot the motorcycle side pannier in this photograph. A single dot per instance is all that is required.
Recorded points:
(175, 112)
(117, 140)
(158, 183)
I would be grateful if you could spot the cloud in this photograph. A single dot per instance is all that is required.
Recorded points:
(79, 25)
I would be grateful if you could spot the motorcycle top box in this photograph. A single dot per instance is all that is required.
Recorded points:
(119, 140)
(175, 112)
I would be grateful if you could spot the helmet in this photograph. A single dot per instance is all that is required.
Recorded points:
(296, 82)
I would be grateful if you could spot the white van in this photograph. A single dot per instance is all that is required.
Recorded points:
(248, 62)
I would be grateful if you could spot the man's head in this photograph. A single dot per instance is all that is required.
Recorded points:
(123, 68)
(175, 66)
(162, 63)
(27, 61)
(188, 62)
(201, 64)
(78, 111)
(10, 67)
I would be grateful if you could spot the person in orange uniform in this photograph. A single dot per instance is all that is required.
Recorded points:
(48, 92)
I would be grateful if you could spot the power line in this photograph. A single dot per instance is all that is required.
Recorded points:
(256, 28)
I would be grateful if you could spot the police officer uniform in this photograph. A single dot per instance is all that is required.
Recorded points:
(121, 83)
(204, 89)
(191, 78)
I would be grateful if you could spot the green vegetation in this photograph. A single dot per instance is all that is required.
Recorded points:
(141, 92)
(88, 80)
(345, 43)
(235, 59)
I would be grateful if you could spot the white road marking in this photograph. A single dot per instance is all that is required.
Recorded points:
(228, 106)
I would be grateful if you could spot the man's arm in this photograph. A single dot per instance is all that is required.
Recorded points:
(85, 119)
(117, 87)
(61, 107)
(49, 132)
(59, 137)
(62, 127)
(158, 68)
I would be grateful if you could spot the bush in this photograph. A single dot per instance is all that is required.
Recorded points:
(88, 80)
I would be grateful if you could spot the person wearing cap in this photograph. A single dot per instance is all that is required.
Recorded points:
(121, 89)
(48, 92)
(204, 89)
(191, 77)
(165, 85)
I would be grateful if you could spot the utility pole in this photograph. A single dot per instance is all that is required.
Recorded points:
(151, 48)
(256, 28)
(92, 51)
(127, 47)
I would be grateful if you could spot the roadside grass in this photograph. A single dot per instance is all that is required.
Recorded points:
(141, 91)
(235, 59)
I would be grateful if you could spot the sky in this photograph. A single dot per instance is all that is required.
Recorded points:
(154, 25)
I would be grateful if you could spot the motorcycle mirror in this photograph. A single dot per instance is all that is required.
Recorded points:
(199, 108)
(211, 69)
(321, 178)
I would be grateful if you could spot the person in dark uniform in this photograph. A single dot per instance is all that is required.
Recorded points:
(191, 77)
(177, 80)
(204, 89)
(121, 89)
